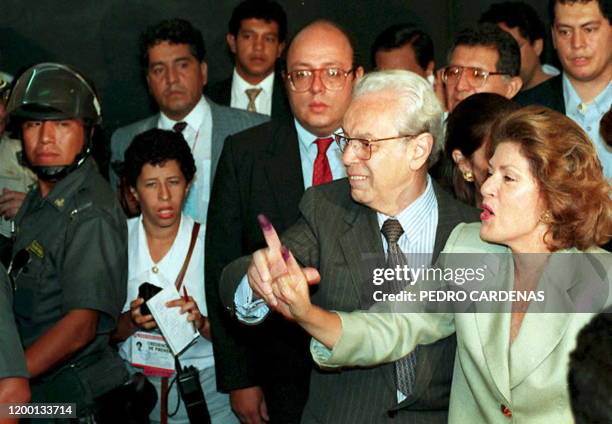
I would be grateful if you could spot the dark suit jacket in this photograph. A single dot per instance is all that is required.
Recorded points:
(338, 236)
(549, 94)
(221, 92)
(259, 172)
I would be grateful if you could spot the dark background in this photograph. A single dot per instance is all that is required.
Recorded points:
(101, 37)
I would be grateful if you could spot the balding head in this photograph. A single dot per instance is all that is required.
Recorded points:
(325, 48)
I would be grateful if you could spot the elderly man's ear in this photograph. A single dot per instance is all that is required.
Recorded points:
(422, 147)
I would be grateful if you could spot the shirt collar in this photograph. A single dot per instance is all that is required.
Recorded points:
(416, 214)
(239, 84)
(305, 137)
(194, 119)
(573, 100)
(69, 185)
(173, 259)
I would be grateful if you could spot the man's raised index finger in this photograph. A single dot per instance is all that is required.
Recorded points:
(269, 232)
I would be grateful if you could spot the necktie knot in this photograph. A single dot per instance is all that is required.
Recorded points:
(323, 144)
(392, 230)
(252, 94)
(179, 127)
(322, 170)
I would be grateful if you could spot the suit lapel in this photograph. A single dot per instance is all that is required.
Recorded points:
(541, 331)
(363, 251)
(494, 329)
(221, 126)
(283, 168)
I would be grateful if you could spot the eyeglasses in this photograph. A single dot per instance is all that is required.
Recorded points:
(332, 78)
(362, 147)
(475, 77)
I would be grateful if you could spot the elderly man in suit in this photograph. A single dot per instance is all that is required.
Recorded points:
(388, 202)
(256, 38)
(172, 55)
(266, 169)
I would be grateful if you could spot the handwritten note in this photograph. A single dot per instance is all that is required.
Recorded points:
(178, 332)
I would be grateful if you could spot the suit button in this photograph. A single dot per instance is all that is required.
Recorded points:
(506, 411)
(391, 414)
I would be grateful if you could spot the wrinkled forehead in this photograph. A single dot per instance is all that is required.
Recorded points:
(372, 114)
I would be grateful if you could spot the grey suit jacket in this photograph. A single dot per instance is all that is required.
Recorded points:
(341, 238)
(226, 121)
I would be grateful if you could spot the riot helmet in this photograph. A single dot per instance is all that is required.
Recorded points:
(49, 92)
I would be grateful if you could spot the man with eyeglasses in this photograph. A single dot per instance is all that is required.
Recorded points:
(266, 170)
(483, 59)
(392, 132)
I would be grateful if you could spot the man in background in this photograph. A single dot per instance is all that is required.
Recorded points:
(582, 36)
(173, 54)
(483, 59)
(522, 22)
(256, 39)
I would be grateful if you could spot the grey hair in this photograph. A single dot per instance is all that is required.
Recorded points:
(423, 112)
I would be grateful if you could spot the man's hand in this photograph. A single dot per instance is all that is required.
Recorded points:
(249, 405)
(143, 322)
(10, 202)
(267, 264)
(292, 290)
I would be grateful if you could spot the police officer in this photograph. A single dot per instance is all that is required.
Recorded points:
(13, 375)
(70, 248)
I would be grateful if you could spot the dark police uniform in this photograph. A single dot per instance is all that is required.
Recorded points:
(76, 240)
(12, 361)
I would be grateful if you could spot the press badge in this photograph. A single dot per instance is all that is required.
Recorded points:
(150, 352)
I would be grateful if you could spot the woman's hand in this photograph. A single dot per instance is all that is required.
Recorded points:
(142, 322)
(188, 305)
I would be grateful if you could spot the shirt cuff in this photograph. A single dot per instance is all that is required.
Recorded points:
(249, 311)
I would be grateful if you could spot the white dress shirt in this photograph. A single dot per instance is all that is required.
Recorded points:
(198, 134)
(141, 268)
(263, 101)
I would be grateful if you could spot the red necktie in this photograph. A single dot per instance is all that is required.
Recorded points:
(322, 172)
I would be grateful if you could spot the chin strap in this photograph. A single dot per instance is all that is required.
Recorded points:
(56, 173)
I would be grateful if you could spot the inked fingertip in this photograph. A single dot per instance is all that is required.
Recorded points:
(264, 222)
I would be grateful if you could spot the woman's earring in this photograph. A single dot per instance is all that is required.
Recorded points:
(468, 176)
(546, 217)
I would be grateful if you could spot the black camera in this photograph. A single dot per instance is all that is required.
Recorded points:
(147, 291)
(188, 380)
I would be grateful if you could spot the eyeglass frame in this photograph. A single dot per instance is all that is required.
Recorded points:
(338, 136)
(314, 71)
(473, 68)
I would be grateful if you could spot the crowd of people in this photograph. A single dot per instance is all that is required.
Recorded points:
(268, 201)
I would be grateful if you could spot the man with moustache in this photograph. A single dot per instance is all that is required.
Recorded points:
(392, 135)
(256, 38)
(582, 36)
(483, 59)
(172, 55)
(266, 170)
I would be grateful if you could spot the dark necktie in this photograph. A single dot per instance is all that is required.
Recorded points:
(405, 368)
(179, 127)
(321, 173)
(252, 94)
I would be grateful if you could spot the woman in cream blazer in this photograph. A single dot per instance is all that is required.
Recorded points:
(546, 197)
